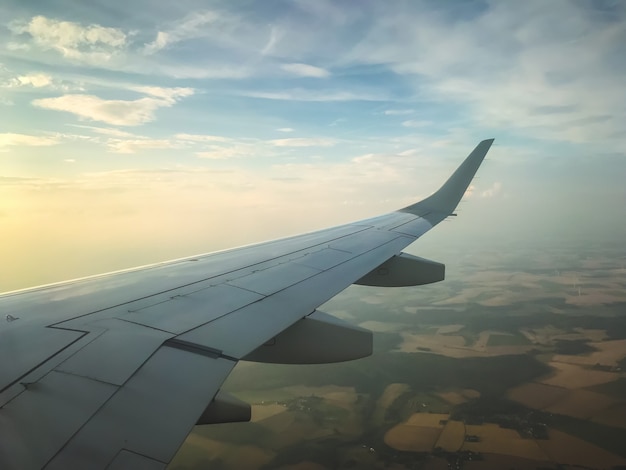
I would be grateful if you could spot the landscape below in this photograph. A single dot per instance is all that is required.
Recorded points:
(515, 361)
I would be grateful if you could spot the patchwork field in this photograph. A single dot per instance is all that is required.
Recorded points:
(537, 395)
(574, 376)
(608, 354)
(419, 433)
(531, 366)
(452, 437)
(570, 450)
(497, 440)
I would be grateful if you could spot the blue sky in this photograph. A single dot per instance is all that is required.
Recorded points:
(133, 132)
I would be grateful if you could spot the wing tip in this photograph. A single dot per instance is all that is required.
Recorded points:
(445, 200)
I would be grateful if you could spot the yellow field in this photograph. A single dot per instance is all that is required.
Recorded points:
(499, 462)
(497, 440)
(303, 466)
(574, 376)
(446, 345)
(328, 390)
(547, 334)
(578, 403)
(493, 287)
(570, 450)
(608, 354)
(454, 345)
(390, 394)
(381, 327)
(612, 416)
(594, 296)
(447, 329)
(538, 396)
(261, 412)
(432, 420)
(458, 397)
(198, 448)
(412, 438)
(452, 437)
(582, 404)
(419, 433)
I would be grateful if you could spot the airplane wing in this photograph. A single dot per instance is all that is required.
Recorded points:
(113, 371)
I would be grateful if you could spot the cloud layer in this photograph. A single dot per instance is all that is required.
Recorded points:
(116, 112)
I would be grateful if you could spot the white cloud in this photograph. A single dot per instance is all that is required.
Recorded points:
(36, 80)
(398, 112)
(10, 139)
(73, 40)
(414, 123)
(303, 142)
(162, 39)
(17, 46)
(275, 35)
(202, 138)
(495, 189)
(168, 94)
(116, 112)
(136, 145)
(192, 26)
(299, 94)
(552, 82)
(107, 131)
(223, 153)
(305, 70)
(285, 129)
(233, 150)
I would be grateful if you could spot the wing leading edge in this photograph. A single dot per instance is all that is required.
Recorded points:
(127, 363)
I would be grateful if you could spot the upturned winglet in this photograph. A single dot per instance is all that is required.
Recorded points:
(442, 203)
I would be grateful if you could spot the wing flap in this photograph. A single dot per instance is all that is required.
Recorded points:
(259, 322)
(39, 421)
(152, 414)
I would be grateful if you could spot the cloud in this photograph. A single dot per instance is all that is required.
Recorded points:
(17, 46)
(192, 26)
(116, 112)
(275, 35)
(398, 112)
(170, 95)
(235, 149)
(303, 142)
(223, 153)
(495, 189)
(73, 40)
(10, 140)
(202, 138)
(135, 145)
(414, 123)
(573, 70)
(36, 80)
(107, 131)
(285, 129)
(299, 94)
(305, 70)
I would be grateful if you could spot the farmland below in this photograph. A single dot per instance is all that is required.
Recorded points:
(503, 368)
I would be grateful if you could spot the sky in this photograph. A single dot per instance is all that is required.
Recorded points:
(134, 132)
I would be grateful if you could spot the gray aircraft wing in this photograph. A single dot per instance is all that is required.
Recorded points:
(113, 371)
